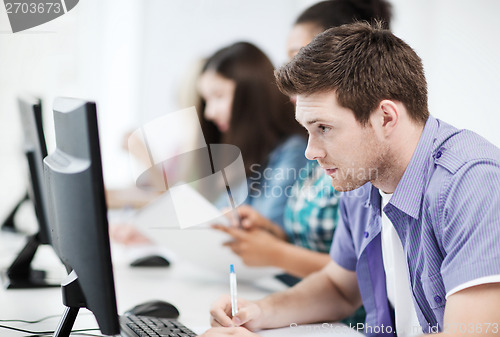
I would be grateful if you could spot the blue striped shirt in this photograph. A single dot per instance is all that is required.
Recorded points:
(446, 211)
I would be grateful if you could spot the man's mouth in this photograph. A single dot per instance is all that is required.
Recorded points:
(329, 171)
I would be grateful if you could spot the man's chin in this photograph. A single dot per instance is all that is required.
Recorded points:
(344, 186)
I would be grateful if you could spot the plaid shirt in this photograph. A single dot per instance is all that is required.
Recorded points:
(311, 212)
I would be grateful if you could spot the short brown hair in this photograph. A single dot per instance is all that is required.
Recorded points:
(364, 64)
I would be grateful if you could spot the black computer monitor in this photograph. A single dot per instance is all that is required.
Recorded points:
(78, 215)
(20, 274)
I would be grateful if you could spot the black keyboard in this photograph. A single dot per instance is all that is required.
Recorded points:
(145, 326)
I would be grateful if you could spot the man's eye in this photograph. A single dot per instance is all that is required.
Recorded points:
(324, 129)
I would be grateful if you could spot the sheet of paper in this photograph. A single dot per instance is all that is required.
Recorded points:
(193, 209)
(307, 330)
(181, 207)
(312, 330)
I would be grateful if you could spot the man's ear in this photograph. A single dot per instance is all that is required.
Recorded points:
(386, 117)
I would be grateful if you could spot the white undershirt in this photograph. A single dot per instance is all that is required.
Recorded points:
(398, 286)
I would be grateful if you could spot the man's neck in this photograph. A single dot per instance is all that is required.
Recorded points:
(402, 146)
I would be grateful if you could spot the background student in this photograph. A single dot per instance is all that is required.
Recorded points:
(242, 106)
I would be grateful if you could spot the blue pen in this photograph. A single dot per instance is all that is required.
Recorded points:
(232, 288)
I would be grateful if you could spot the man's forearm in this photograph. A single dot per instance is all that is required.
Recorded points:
(316, 299)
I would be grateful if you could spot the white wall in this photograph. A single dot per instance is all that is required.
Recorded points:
(178, 33)
(129, 56)
(459, 43)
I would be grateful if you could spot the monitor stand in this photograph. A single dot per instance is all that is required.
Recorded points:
(73, 299)
(8, 224)
(20, 275)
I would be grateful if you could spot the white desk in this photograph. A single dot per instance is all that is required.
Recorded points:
(183, 285)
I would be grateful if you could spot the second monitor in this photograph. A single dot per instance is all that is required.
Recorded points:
(20, 273)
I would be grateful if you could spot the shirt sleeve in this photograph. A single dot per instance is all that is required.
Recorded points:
(343, 251)
(471, 224)
(473, 283)
(268, 193)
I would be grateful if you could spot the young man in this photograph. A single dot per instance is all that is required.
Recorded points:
(417, 243)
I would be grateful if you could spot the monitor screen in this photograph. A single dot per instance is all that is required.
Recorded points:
(77, 212)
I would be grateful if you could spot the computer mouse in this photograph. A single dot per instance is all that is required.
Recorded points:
(150, 261)
(155, 308)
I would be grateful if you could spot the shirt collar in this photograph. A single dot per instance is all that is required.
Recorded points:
(409, 193)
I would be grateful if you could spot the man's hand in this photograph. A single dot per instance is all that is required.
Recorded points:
(328, 295)
(248, 316)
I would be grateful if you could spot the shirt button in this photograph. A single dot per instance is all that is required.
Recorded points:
(366, 234)
(438, 299)
(438, 154)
